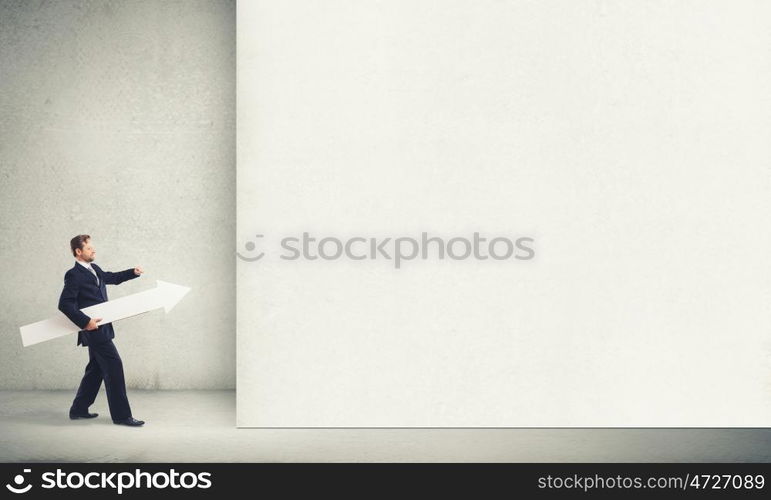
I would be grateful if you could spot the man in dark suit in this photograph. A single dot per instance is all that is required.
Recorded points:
(84, 285)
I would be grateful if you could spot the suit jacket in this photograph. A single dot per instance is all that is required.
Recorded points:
(80, 290)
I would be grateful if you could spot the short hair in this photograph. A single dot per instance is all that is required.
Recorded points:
(78, 242)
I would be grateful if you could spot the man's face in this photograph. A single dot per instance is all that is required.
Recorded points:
(87, 253)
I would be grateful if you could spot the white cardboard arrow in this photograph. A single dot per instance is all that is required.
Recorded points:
(164, 295)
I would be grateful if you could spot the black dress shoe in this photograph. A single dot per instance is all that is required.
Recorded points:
(131, 421)
(75, 416)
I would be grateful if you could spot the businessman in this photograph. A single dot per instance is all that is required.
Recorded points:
(84, 285)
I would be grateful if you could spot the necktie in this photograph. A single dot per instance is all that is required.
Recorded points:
(94, 273)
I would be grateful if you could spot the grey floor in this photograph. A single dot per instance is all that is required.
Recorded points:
(199, 426)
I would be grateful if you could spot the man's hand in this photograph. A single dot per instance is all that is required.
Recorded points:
(138, 270)
(92, 325)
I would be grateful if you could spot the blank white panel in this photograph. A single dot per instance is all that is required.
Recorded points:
(629, 139)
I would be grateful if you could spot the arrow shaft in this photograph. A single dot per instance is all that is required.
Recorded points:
(125, 307)
(164, 295)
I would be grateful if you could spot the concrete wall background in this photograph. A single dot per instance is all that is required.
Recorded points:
(117, 119)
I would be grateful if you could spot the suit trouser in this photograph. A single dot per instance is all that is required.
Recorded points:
(103, 363)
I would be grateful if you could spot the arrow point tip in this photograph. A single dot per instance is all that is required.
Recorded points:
(172, 294)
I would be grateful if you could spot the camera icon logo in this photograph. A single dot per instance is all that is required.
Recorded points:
(18, 480)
